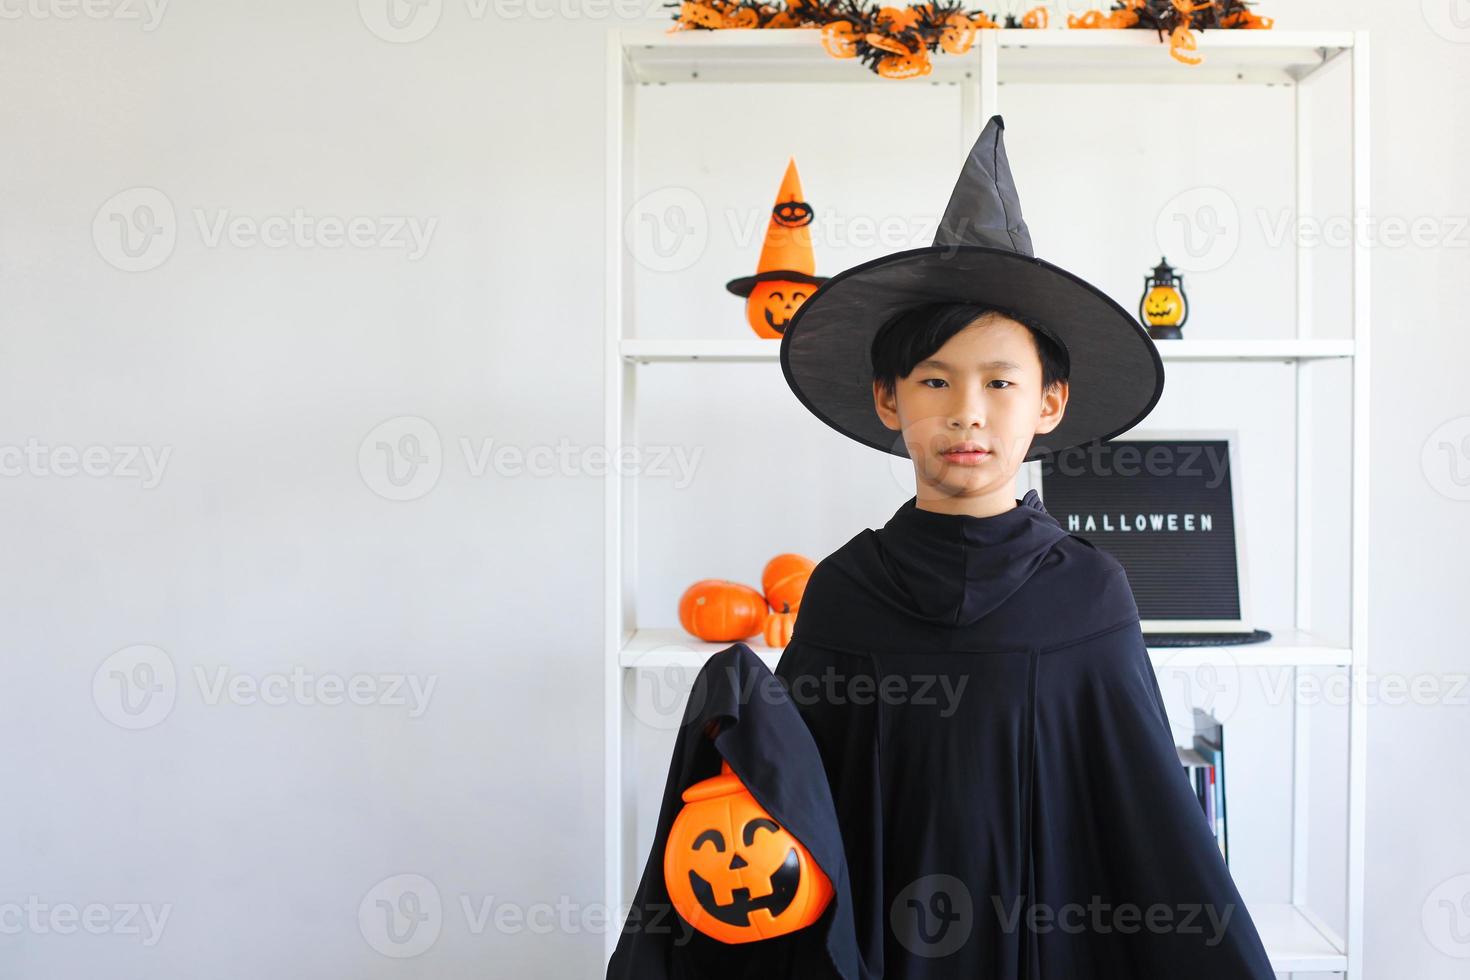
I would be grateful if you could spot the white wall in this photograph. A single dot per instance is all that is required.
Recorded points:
(270, 543)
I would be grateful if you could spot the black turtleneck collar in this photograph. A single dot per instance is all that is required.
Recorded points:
(956, 568)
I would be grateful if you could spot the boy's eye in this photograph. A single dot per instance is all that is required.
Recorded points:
(1001, 381)
(927, 380)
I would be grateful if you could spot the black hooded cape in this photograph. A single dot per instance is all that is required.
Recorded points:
(1007, 786)
(1004, 784)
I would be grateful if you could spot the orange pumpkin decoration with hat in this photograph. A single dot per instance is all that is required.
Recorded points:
(735, 874)
(785, 276)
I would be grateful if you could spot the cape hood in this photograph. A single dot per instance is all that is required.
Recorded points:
(954, 569)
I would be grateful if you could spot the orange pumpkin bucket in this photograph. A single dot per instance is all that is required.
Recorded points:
(733, 873)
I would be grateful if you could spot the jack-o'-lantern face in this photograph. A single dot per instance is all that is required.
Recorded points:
(733, 873)
(905, 65)
(1163, 306)
(773, 303)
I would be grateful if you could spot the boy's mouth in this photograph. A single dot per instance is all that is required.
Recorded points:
(966, 452)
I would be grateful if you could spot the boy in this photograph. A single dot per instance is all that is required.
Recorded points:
(1009, 796)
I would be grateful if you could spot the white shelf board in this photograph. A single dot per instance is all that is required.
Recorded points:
(672, 647)
(655, 56)
(1296, 940)
(757, 349)
(1138, 56)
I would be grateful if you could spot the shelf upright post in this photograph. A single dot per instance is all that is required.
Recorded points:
(988, 80)
(1305, 372)
(1362, 328)
(618, 385)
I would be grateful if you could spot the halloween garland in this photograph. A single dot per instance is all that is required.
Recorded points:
(895, 42)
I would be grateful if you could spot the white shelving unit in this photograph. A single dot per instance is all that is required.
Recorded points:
(1298, 940)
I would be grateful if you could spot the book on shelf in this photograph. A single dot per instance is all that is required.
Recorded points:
(1204, 766)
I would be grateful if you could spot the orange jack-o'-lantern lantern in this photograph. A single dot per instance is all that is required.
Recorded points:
(1164, 307)
(733, 873)
(785, 275)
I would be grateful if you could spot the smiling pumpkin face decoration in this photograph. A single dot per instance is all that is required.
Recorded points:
(785, 275)
(773, 303)
(733, 873)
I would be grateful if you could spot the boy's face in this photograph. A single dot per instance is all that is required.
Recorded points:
(983, 386)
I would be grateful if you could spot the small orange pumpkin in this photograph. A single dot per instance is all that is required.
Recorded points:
(784, 580)
(779, 625)
(720, 612)
(733, 873)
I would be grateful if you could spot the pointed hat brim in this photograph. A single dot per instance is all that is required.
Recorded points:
(1117, 375)
(744, 285)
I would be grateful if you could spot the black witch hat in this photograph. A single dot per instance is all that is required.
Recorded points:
(981, 254)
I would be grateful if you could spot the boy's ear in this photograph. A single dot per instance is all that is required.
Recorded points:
(1053, 407)
(885, 403)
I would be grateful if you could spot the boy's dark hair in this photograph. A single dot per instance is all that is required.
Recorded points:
(916, 333)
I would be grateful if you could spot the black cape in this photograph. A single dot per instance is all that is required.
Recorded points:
(740, 713)
(1009, 795)
(1002, 780)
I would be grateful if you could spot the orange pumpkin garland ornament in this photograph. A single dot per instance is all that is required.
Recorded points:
(896, 42)
(735, 874)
